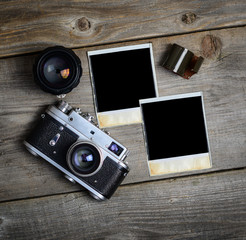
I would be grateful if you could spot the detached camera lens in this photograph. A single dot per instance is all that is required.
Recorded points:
(84, 159)
(57, 70)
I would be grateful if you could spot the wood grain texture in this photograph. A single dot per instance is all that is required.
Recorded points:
(203, 207)
(221, 79)
(27, 26)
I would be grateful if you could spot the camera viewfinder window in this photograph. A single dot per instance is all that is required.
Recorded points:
(115, 148)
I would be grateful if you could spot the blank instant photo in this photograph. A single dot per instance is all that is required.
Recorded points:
(120, 78)
(175, 134)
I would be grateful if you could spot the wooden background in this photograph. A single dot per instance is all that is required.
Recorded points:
(36, 202)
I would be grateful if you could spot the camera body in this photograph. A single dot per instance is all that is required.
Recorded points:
(71, 142)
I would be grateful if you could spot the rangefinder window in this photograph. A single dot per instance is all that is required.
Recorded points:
(116, 149)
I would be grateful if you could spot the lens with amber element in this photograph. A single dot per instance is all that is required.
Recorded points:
(57, 70)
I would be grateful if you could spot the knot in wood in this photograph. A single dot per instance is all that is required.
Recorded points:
(211, 47)
(83, 24)
(189, 18)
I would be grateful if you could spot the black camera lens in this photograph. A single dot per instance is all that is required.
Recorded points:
(57, 70)
(84, 159)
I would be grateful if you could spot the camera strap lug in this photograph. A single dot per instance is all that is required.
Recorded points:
(61, 96)
(70, 179)
(78, 110)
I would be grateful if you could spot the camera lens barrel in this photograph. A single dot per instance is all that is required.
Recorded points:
(57, 70)
(84, 158)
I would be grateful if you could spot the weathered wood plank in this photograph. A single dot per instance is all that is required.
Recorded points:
(27, 26)
(221, 78)
(201, 207)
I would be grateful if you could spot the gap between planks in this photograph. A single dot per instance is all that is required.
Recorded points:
(241, 169)
(130, 40)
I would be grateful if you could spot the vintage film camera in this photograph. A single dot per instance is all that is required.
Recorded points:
(71, 141)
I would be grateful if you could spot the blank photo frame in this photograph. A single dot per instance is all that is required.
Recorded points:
(175, 133)
(120, 78)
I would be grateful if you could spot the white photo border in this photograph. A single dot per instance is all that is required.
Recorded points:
(122, 116)
(182, 163)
